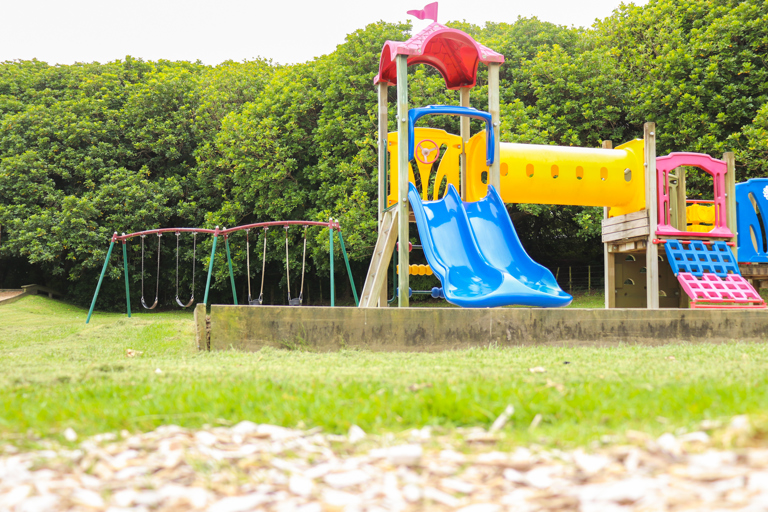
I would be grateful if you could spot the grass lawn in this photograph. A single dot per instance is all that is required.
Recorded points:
(57, 372)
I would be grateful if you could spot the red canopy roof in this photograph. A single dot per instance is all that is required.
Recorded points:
(453, 52)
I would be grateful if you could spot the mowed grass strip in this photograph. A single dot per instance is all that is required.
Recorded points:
(56, 372)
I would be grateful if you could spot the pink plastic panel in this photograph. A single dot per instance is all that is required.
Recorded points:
(711, 288)
(452, 52)
(713, 167)
(428, 12)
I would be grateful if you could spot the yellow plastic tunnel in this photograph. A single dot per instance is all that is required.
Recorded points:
(533, 173)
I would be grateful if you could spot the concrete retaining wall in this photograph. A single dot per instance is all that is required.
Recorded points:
(25, 291)
(10, 295)
(430, 329)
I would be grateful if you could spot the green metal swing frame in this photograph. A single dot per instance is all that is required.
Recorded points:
(332, 226)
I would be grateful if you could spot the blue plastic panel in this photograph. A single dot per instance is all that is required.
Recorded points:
(448, 110)
(456, 242)
(747, 222)
(698, 258)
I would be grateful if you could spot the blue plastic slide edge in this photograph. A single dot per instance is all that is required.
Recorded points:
(415, 114)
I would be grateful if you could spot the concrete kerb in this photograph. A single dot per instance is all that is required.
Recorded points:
(27, 290)
(9, 295)
(432, 329)
(202, 328)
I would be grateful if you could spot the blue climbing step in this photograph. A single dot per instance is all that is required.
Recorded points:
(699, 258)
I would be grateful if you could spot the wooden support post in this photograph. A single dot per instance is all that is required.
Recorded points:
(730, 198)
(383, 170)
(609, 260)
(682, 197)
(377, 272)
(494, 173)
(402, 177)
(464, 132)
(383, 147)
(651, 203)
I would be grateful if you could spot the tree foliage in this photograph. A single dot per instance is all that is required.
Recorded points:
(91, 149)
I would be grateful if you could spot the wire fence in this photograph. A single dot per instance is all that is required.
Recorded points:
(587, 278)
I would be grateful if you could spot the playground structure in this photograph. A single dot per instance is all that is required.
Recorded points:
(455, 191)
(331, 225)
(477, 255)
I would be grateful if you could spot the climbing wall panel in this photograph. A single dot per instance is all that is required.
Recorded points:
(699, 258)
(711, 291)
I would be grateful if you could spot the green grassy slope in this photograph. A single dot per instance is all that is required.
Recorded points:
(57, 372)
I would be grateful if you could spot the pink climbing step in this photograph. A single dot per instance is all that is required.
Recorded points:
(711, 291)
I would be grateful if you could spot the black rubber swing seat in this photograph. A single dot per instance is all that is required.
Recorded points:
(153, 306)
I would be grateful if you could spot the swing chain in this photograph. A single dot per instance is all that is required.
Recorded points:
(295, 302)
(142, 265)
(248, 262)
(178, 235)
(263, 266)
(287, 265)
(303, 260)
(157, 287)
(194, 251)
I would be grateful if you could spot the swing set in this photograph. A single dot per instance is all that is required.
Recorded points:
(332, 225)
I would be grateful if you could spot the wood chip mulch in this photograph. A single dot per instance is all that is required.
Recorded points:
(266, 467)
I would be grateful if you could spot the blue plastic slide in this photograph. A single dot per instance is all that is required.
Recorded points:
(475, 252)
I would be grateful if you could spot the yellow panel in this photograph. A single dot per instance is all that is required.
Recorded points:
(701, 217)
(532, 173)
(700, 214)
(448, 166)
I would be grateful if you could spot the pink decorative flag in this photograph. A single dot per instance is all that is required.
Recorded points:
(428, 12)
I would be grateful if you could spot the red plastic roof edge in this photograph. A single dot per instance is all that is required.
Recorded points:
(454, 53)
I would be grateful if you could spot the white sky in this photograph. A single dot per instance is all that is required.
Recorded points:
(67, 31)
